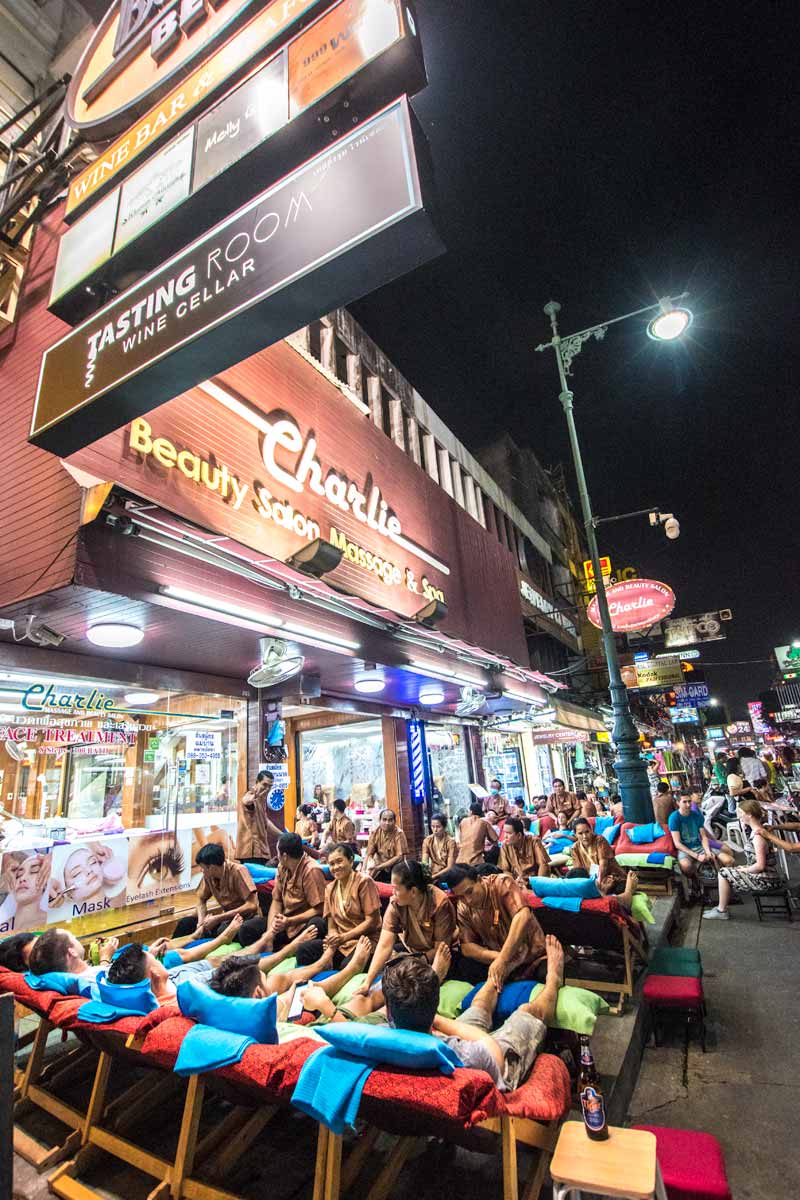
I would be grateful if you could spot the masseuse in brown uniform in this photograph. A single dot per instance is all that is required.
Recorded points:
(352, 910)
(387, 845)
(253, 826)
(298, 896)
(474, 832)
(500, 936)
(418, 918)
(439, 850)
(522, 854)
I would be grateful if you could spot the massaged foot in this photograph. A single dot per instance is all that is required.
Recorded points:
(361, 955)
(441, 961)
(231, 933)
(555, 959)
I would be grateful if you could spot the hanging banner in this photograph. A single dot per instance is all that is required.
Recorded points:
(702, 627)
(659, 673)
(634, 604)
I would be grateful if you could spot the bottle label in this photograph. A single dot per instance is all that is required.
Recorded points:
(594, 1109)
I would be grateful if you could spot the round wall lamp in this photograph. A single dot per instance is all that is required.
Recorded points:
(431, 693)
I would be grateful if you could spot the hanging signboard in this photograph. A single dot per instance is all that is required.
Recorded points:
(590, 584)
(552, 737)
(702, 627)
(351, 219)
(659, 673)
(684, 715)
(756, 710)
(788, 657)
(634, 604)
(693, 693)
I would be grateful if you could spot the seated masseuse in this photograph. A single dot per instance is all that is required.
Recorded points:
(592, 855)
(500, 936)
(418, 918)
(387, 845)
(231, 885)
(298, 896)
(351, 910)
(439, 850)
(522, 854)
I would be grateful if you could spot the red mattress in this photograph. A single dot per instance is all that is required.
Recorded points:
(623, 844)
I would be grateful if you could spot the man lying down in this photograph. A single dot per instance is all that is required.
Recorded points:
(408, 998)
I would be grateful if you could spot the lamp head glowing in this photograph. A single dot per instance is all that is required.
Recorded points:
(670, 323)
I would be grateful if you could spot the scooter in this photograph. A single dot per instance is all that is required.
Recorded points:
(718, 813)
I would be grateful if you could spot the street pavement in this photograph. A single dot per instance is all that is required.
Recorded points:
(746, 1089)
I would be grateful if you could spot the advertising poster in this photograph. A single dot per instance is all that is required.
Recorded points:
(24, 890)
(159, 864)
(85, 247)
(88, 877)
(202, 835)
(338, 45)
(155, 189)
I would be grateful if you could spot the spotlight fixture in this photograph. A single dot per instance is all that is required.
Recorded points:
(318, 558)
(432, 614)
(431, 693)
(670, 323)
(370, 681)
(114, 634)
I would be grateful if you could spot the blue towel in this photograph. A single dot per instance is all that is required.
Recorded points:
(101, 1014)
(205, 1049)
(567, 903)
(657, 858)
(260, 873)
(63, 982)
(330, 1086)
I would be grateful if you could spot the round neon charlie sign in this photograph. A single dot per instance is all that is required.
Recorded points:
(634, 604)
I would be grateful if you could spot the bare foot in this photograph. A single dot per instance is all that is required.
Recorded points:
(233, 928)
(306, 935)
(361, 954)
(441, 961)
(555, 957)
(325, 959)
(632, 882)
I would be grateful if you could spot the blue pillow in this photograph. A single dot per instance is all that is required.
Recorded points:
(260, 873)
(642, 835)
(509, 1000)
(398, 1047)
(134, 997)
(63, 982)
(172, 958)
(235, 1014)
(582, 889)
(612, 834)
(603, 823)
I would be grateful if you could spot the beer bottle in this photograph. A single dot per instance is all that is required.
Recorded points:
(592, 1103)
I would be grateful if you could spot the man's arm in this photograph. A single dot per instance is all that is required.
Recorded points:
(491, 832)
(521, 926)
(479, 953)
(248, 908)
(382, 954)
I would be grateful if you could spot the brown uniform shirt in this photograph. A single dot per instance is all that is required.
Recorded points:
(440, 853)
(345, 909)
(567, 802)
(253, 826)
(474, 833)
(488, 924)
(298, 888)
(496, 804)
(341, 828)
(420, 931)
(599, 854)
(383, 847)
(524, 859)
(232, 890)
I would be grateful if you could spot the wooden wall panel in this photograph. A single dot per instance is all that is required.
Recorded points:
(39, 501)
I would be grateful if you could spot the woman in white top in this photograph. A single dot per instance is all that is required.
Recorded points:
(760, 872)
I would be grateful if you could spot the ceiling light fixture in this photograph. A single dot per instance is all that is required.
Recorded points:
(213, 606)
(431, 693)
(370, 681)
(114, 634)
(142, 697)
(419, 668)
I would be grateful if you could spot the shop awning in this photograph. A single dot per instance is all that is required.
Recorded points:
(574, 716)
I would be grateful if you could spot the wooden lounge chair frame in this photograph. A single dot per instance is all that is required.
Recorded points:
(334, 1178)
(32, 1090)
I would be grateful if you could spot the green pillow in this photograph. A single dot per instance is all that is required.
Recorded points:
(233, 947)
(346, 993)
(451, 995)
(642, 909)
(288, 964)
(640, 860)
(577, 1008)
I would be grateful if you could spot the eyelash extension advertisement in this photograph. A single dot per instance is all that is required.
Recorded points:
(158, 864)
(88, 877)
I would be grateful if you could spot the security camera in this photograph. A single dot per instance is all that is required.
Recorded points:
(672, 528)
(40, 634)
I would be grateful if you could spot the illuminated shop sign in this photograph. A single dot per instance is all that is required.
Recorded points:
(41, 698)
(634, 604)
(353, 216)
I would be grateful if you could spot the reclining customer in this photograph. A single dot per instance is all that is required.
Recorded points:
(522, 854)
(500, 936)
(134, 963)
(59, 950)
(411, 990)
(15, 951)
(419, 916)
(231, 885)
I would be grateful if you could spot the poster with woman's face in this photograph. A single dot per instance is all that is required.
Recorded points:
(159, 864)
(24, 885)
(88, 877)
(203, 835)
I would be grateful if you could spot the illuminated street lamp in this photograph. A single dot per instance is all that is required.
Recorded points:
(668, 324)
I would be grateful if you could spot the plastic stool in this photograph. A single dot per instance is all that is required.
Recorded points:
(675, 960)
(692, 1164)
(624, 1165)
(676, 993)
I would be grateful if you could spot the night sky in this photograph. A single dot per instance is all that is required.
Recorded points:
(604, 155)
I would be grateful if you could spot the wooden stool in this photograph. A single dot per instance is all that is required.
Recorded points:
(624, 1165)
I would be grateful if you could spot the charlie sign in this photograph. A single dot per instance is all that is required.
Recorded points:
(347, 222)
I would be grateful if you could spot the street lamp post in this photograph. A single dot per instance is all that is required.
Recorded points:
(631, 772)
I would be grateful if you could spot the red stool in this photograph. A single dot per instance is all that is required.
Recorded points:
(681, 994)
(692, 1164)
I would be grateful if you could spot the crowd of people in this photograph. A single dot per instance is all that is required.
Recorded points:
(459, 912)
